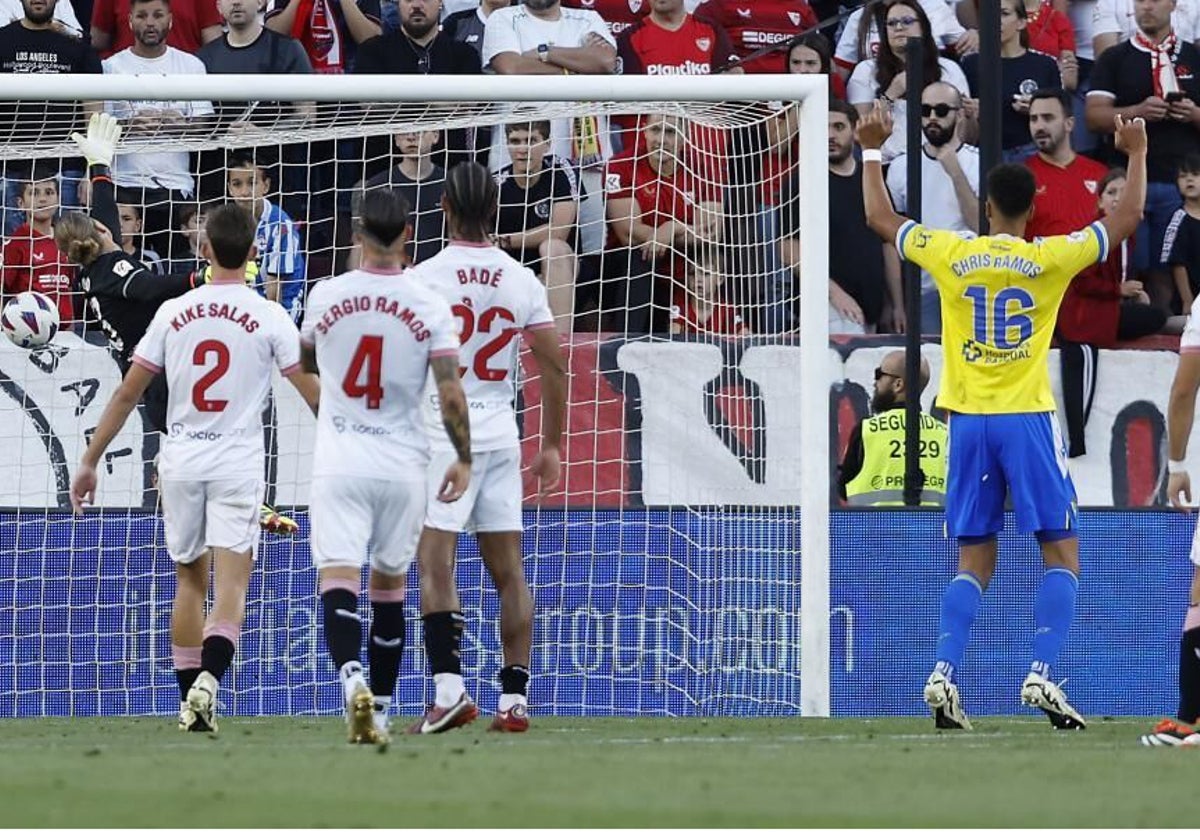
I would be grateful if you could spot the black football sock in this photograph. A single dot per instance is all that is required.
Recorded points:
(343, 626)
(386, 646)
(216, 655)
(443, 637)
(514, 679)
(1189, 675)
(185, 677)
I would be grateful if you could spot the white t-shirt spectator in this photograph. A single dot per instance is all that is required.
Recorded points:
(1111, 16)
(939, 203)
(154, 170)
(515, 30)
(11, 10)
(943, 21)
(1081, 13)
(860, 90)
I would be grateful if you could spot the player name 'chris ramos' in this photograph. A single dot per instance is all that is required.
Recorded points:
(364, 303)
(1012, 262)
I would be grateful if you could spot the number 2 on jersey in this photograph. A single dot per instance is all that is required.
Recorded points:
(483, 325)
(365, 371)
(994, 322)
(210, 378)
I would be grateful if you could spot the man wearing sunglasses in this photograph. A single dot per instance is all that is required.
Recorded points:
(949, 182)
(872, 473)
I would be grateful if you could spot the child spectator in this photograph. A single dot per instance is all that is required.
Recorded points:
(1050, 33)
(190, 220)
(280, 260)
(1102, 306)
(697, 306)
(1181, 244)
(130, 214)
(539, 204)
(32, 261)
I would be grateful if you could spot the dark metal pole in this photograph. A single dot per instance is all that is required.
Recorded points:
(914, 478)
(989, 99)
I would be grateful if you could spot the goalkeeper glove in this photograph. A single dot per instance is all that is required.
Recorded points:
(100, 144)
(205, 276)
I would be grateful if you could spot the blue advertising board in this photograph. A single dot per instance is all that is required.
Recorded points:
(644, 612)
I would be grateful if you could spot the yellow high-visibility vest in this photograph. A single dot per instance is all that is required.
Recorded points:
(881, 479)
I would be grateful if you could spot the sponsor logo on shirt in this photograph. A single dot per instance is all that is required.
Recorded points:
(688, 68)
(765, 39)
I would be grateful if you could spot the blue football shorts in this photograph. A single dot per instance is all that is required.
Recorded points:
(999, 457)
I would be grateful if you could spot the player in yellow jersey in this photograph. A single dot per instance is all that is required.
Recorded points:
(1000, 298)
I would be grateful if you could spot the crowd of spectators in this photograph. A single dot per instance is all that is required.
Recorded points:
(638, 224)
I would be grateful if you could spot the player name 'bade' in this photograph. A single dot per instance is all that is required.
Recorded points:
(363, 303)
(1012, 262)
(214, 310)
(480, 276)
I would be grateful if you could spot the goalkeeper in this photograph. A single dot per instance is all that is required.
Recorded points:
(119, 292)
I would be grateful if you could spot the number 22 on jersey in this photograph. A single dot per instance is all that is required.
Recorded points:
(489, 323)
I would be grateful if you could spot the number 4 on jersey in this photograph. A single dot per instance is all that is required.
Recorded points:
(365, 371)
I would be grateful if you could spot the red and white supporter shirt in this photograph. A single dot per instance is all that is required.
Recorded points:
(618, 14)
(658, 198)
(494, 298)
(755, 24)
(217, 344)
(32, 263)
(722, 319)
(1065, 199)
(374, 333)
(697, 48)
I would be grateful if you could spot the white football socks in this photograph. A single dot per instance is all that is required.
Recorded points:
(450, 689)
(351, 675)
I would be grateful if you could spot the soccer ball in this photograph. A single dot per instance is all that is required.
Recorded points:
(30, 320)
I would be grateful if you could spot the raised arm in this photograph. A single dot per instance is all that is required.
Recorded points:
(1123, 221)
(873, 130)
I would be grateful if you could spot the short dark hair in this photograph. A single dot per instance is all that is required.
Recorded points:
(1190, 165)
(42, 170)
(382, 216)
(470, 196)
(129, 198)
(252, 159)
(133, 3)
(1010, 188)
(542, 127)
(840, 106)
(1117, 173)
(230, 231)
(1064, 99)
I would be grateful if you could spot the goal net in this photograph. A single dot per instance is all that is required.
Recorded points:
(671, 220)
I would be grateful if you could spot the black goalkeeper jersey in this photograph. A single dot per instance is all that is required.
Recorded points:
(120, 292)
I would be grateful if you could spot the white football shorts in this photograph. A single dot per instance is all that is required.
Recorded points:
(492, 503)
(350, 515)
(200, 514)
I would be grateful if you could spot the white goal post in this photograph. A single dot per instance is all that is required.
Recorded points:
(359, 106)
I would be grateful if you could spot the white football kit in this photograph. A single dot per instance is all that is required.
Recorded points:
(1189, 342)
(217, 344)
(374, 334)
(493, 297)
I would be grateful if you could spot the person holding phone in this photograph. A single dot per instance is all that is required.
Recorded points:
(1152, 76)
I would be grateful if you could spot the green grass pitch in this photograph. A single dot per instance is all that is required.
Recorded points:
(604, 772)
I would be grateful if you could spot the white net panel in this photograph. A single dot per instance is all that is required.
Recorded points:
(665, 570)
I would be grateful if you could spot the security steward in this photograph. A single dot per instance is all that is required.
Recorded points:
(872, 473)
